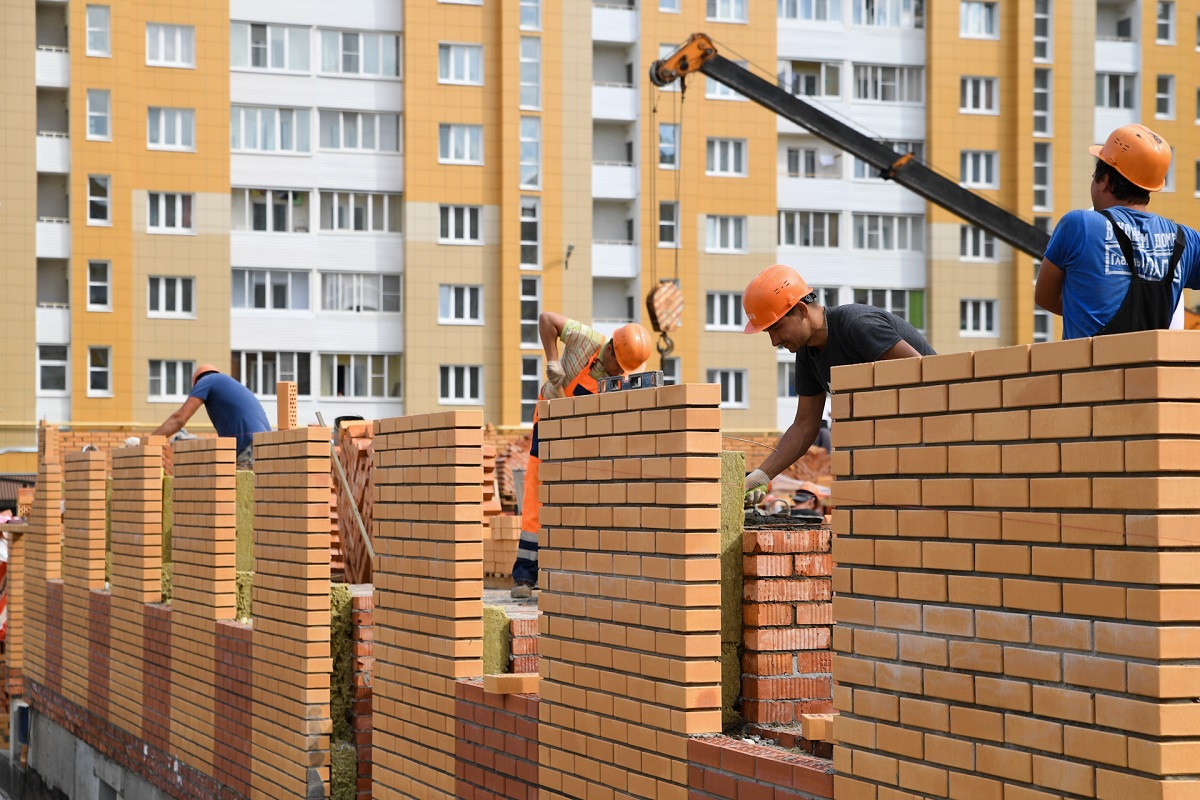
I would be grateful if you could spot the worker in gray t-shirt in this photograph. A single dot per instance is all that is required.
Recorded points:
(779, 302)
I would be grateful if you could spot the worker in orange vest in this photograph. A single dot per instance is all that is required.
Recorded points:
(586, 358)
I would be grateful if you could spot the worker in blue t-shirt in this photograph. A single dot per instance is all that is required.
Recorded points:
(1085, 275)
(233, 409)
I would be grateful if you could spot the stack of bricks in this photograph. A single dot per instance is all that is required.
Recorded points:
(523, 647)
(500, 543)
(356, 452)
(83, 565)
(429, 594)
(631, 605)
(787, 618)
(43, 558)
(497, 737)
(491, 503)
(1016, 573)
(292, 662)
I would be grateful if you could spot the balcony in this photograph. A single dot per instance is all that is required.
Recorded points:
(613, 22)
(613, 180)
(612, 259)
(53, 324)
(614, 101)
(53, 152)
(1118, 55)
(53, 67)
(609, 326)
(53, 237)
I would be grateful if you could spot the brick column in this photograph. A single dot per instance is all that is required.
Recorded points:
(43, 543)
(631, 610)
(15, 635)
(83, 565)
(203, 547)
(292, 663)
(429, 595)
(362, 630)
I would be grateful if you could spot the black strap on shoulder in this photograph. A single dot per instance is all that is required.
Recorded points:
(1126, 247)
(1176, 253)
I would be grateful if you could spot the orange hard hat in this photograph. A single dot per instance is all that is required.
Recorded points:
(631, 346)
(770, 295)
(1139, 154)
(200, 370)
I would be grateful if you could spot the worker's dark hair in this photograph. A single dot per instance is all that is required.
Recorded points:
(1119, 185)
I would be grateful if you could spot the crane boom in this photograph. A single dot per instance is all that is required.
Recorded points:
(699, 54)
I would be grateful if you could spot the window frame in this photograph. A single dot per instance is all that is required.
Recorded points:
(737, 227)
(1168, 96)
(531, 375)
(362, 38)
(301, 32)
(914, 232)
(720, 150)
(183, 374)
(902, 310)
(990, 18)
(831, 223)
(535, 25)
(983, 87)
(452, 128)
(530, 154)
(1045, 42)
(467, 211)
(723, 311)
(251, 118)
(289, 197)
(185, 126)
(979, 169)
(526, 87)
(369, 205)
(467, 48)
(449, 299)
(1126, 84)
(364, 121)
(674, 243)
(976, 245)
(185, 206)
(63, 364)
(105, 31)
(832, 10)
(971, 315)
(826, 72)
(714, 11)
(163, 29)
(247, 361)
(107, 306)
(470, 373)
(739, 385)
(1168, 21)
(670, 6)
(672, 145)
(105, 115)
(872, 77)
(1046, 91)
(355, 285)
(326, 359)
(533, 204)
(157, 290)
(529, 325)
(890, 14)
(98, 201)
(269, 285)
(105, 370)
(1045, 167)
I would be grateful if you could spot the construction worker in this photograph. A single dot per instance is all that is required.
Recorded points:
(586, 358)
(233, 409)
(779, 302)
(1085, 276)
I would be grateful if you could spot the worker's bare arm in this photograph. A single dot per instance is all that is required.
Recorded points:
(550, 327)
(900, 349)
(1047, 292)
(179, 418)
(798, 437)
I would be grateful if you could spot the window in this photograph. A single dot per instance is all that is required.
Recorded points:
(725, 235)
(978, 20)
(715, 90)
(170, 213)
(460, 63)
(270, 210)
(170, 380)
(531, 249)
(367, 54)
(668, 224)
(460, 144)
(889, 84)
(978, 96)
(52, 369)
(1043, 330)
(725, 312)
(171, 297)
(99, 372)
(811, 78)
(977, 318)
(269, 130)
(359, 292)
(668, 146)
(1041, 102)
(975, 244)
(808, 229)
(170, 45)
(1114, 90)
(786, 378)
(359, 212)
(1197, 189)
(826, 295)
(99, 286)
(888, 232)
(99, 209)
(1169, 178)
(352, 130)
(1164, 97)
(274, 289)
(727, 10)
(1041, 176)
(261, 371)
(1041, 30)
(531, 309)
(726, 157)
(801, 162)
(531, 153)
(669, 6)
(531, 386)
(460, 385)
(733, 386)
(277, 48)
(896, 301)
(98, 115)
(98, 31)
(531, 72)
(1164, 30)
(460, 305)
(890, 13)
(864, 171)
(171, 129)
(459, 225)
(811, 10)
(358, 375)
(978, 169)
(531, 15)
(670, 371)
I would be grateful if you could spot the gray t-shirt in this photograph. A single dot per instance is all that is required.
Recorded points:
(857, 334)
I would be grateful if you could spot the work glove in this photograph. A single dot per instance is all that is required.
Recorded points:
(756, 487)
(554, 371)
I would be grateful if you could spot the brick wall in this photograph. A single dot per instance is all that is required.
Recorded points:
(729, 769)
(1014, 613)
(497, 744)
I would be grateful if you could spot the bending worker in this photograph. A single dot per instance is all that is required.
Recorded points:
(586, 358)
(233, 409)
(1085, 276)
(779, 302)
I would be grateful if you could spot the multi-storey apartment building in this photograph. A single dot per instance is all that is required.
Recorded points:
(376, 200)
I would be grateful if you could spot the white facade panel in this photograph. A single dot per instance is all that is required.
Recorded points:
(378, 15)
(896, 121)
(54, 153)
(858, 268)
(312, 91)
(1109, 119)
(316, 331)
(358, 253)
(367, 172)
(52, 68)
(614, 182)
(614, 24)
(611, 102)
(785, 410)
(1118, 56)
(857, 44)
(875, 196)
(54, 409)
(53, 325)
(614, 260)
(53, 239)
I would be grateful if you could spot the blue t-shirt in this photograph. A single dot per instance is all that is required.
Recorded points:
(233, 409)
(1096, 277)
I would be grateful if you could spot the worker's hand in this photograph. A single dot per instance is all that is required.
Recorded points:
(756, 487)
(550, 391)
(554, 371)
